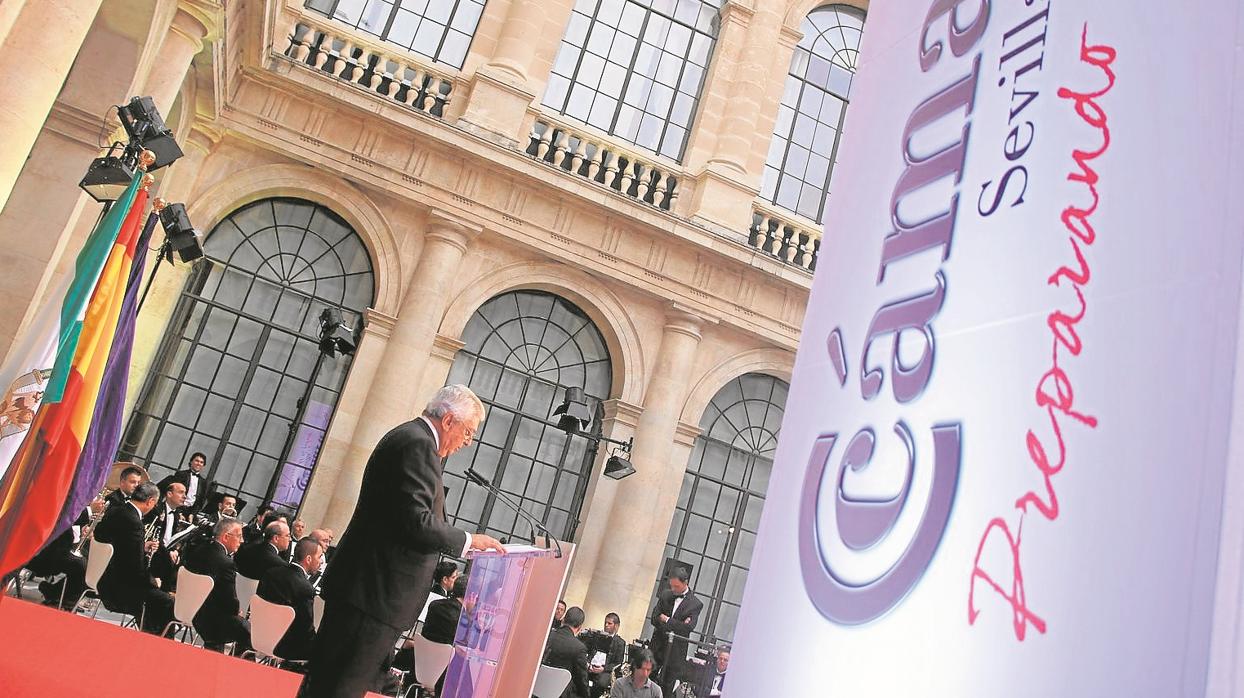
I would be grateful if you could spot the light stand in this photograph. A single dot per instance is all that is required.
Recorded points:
(179, 235)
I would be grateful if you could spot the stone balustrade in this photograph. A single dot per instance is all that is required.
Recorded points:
(602, 161)
(371, 65)
(792, 239)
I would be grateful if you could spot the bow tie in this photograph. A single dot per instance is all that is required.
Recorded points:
(679, 596)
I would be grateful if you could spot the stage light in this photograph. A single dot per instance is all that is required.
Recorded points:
(335, 337)
(575, 415)
(146, 128)
(181, 235)
(108, 176)
(618, 467)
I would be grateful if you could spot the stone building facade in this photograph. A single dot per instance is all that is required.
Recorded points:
(636, 184)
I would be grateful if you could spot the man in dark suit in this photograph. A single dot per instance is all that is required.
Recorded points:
(612, 646)
(253, 560)
(220, 619)
(717, 679)
(57, 558)
(444, 577)
(126, 584)
(673, 618)
(130, 477)
(565, 651)
(168, 523)
(197, 486)
(287, 585)
(376, 583)
(441, 624)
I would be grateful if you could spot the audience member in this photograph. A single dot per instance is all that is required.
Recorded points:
(288, 585)
(639, 684)
(131, 476)
(559, 614)
(673, 618)
(197, 486)
(220, 620)
(610, 649)
(254, 559)
(565, 651)
(126, 585)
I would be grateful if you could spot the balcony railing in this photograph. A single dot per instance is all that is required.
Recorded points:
(602, 162)
(783, 236)
(346, 56)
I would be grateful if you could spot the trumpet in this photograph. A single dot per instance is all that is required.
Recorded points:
(100, 503)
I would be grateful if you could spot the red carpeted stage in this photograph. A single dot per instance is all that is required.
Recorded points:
(46, 653)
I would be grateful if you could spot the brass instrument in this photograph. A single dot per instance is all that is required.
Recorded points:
(89, 527)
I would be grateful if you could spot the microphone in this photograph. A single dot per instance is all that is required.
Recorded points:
(536, 524)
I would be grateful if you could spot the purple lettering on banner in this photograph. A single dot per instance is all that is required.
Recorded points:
(914, 313)
(961, 40)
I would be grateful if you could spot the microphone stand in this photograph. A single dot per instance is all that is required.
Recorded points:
(536, 524)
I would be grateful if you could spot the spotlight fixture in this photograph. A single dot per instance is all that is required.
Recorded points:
(618, 467)
(146, 128)
(181, 235)
(575, 415)
(108, 177)
(334, 335)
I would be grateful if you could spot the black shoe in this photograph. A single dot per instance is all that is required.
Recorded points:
(49, 591)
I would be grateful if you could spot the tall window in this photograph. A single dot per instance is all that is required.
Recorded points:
(723, 492)
(242, 345)
(439, 29)
(809, 124)
(634, 68)
(523, 349)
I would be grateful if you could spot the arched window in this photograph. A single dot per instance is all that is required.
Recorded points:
(439, 29)
(523, 349)
(634, 68)
(241, 348)
(814, 104)
(723, 492)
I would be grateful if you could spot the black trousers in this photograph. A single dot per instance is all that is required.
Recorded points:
(220, 631)
(351, 655)
(154, 606)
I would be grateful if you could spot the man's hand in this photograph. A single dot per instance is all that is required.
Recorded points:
(596, 669)
(150, 546)
(664, 618)
(480, 541)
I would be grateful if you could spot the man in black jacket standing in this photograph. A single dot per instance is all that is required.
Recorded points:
(378, 580)
(677, 611)
(126, 584)
(197, 486)
(220, 619)
(566, 651)
(287, 585)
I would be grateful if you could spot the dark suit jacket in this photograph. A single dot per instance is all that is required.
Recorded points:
(115, 498)
(689, 609)
(162, 566)
(441, 625)
(257, 559)
(287, 585)
(125, 581)
(565, 651)
(214, 618)
(203, 488)
(393, 541)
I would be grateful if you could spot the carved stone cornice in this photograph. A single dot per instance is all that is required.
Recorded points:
(621, 412)
(76, 124)
(378, 324)
(685, 434)
(446, 347)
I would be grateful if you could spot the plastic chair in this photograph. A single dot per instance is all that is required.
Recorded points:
(192, 590)
(317, 612)
(246, 590)
(269, 621)
(550, 682)
(432, 659)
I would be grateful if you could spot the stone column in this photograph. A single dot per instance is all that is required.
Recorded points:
(639, 522)
(503, 89)
(394, 396)
(38, 51)
(181, 44)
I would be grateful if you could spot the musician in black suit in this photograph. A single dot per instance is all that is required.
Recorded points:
(126, 584)
(444, 577)
(376, 583)
(220, 620)
(677, 611)
(717, 679)
(441, 623)
(565, 651)
(198, 487)
(287, 585)
(57, 558)
(253, 560)
(130, 477)
(612, 646)
(168, 522)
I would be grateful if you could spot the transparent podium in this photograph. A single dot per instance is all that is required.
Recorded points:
(505, 621)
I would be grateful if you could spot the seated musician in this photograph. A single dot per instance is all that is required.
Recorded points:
(220, 620)
(565, 651)
(288, 585)
(611, 649)
(57, 558)
(226, 508)
(167, 523)
(638, 684)
(717, 683)
(130, 477)
(197, 486)
(253, 560)
(266, 515)
(126, 584)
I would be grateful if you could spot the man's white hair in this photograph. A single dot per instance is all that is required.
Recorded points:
(457, 400)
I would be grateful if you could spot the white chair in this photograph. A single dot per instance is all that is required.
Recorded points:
(97, 558)
(432, 659)
(246, 590)
(192, 590)
(269, 621)
(317, 612)
(550, 682)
